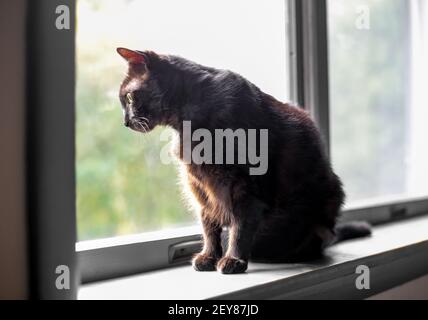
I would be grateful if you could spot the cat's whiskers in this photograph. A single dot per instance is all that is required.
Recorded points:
(144, 128)
(141, 126)
(141, 137)
(143, 118)
(144, 122)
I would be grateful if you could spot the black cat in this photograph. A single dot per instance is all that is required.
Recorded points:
(287, 214)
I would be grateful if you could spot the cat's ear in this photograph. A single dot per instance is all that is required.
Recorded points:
(132, 56)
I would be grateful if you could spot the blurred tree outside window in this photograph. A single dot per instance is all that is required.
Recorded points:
(378, 103)
(122, 186)
(378, 99)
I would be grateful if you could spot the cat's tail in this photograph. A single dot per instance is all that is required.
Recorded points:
(351, 230)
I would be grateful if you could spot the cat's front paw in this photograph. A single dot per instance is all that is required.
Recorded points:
(229, 265)
(202, 262)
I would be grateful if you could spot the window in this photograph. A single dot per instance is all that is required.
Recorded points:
(375, 138)
(122, 186)
(374, 121)
(378, 102)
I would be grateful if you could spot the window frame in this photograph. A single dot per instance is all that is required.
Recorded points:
(50, 150)
(51, 191)
(307, 43)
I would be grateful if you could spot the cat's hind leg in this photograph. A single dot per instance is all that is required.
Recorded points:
(287, 241)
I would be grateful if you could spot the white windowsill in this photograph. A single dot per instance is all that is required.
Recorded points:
(396, 253)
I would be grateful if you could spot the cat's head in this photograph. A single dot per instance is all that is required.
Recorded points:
(140, 93)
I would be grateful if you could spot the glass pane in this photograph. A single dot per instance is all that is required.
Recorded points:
(122, 187)
(378, 73)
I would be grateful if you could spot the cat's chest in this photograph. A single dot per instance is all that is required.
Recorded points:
(211, 190)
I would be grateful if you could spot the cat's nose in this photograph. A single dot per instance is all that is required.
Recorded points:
(127, 120)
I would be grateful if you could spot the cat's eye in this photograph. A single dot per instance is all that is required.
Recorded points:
(129, 99)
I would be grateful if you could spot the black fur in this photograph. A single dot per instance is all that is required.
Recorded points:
(351, 230)
(288, 214)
